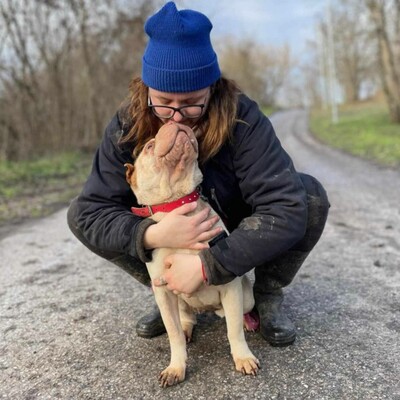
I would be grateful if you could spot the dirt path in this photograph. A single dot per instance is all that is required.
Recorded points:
(67, 318)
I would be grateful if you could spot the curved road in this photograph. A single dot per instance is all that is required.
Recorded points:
(67, 317)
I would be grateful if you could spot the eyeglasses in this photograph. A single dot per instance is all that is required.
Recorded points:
(167, 112)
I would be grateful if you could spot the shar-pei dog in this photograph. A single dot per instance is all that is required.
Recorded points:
(165, 172)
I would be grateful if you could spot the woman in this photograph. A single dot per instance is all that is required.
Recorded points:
(275, 215)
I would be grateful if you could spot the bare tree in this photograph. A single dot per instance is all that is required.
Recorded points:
(26, 111)
(354, 60)
(354, 51)
(65, 66)
(385, 19)
(259, 70)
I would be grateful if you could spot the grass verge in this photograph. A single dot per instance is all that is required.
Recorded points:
(39, 187)
(364, 130)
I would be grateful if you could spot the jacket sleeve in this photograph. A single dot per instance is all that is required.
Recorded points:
(104, 215)
(270, 185)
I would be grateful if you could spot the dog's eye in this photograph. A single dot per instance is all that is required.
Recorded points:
(149, 146)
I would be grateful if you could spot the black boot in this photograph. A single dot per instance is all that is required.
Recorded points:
(275, 327)
(150, 325)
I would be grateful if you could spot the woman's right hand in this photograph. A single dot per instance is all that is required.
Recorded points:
(178, 230)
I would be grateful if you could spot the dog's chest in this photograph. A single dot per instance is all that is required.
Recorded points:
(207, 298)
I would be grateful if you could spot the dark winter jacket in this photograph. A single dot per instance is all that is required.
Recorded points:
(251, 183)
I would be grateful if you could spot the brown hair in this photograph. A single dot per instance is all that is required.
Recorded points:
(215, 126)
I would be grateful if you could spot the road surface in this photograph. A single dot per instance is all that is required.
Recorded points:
(67, 317)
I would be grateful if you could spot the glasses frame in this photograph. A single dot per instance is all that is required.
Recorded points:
(175, 109)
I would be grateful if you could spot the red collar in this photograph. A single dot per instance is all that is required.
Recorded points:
(147, 211)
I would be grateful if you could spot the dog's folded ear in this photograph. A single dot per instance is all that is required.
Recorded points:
(129, 169)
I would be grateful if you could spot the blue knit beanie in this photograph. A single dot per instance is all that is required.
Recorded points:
(179, 56)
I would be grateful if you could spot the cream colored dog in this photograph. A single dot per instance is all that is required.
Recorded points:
(165, 171)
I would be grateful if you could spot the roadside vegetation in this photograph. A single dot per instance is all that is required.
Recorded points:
(39, 187)
(364, 130)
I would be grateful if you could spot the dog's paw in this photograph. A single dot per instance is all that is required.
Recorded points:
(171, 376)
(247, 366)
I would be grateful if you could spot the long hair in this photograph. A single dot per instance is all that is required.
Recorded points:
(214, 127)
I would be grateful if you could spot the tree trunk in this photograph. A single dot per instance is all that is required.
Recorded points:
(387, 59)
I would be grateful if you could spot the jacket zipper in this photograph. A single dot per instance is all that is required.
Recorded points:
(215, 199)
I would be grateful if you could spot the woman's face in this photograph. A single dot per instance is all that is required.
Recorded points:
(191, 105)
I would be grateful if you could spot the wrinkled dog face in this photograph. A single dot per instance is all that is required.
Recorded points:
(166, 169)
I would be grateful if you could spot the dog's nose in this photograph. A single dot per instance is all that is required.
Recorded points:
(177, 117)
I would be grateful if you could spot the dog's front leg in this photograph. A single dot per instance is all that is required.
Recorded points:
(168, 304)
(245, 361)
(187, 318)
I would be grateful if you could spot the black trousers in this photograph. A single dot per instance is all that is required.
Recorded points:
(275, 274)
(280, 271)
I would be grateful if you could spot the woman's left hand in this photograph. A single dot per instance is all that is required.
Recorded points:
(183, 273)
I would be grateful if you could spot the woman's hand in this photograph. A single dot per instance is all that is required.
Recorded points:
(178, 230)
(183, 273)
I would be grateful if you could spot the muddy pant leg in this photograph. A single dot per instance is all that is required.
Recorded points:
(131, 265)
(275, 326)
(280, 271)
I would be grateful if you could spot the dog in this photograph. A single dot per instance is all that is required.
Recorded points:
(166, 171)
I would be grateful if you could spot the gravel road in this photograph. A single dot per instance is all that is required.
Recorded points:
(67, 317)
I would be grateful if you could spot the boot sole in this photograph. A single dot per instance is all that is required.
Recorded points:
(287, 341)
(148, 334)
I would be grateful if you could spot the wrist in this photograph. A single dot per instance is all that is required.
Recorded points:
(150, 237)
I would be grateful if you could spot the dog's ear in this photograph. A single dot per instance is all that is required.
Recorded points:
(129, 168)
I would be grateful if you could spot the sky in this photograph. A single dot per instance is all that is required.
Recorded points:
(273, 22)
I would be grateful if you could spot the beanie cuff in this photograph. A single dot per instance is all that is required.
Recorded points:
(180, 81)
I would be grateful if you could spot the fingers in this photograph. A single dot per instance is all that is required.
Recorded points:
(185, 209)
(168, 260)
(160, 281)
(204, 238)
(191, 231)
(200, 217)
(208, 224)
(204, 224)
